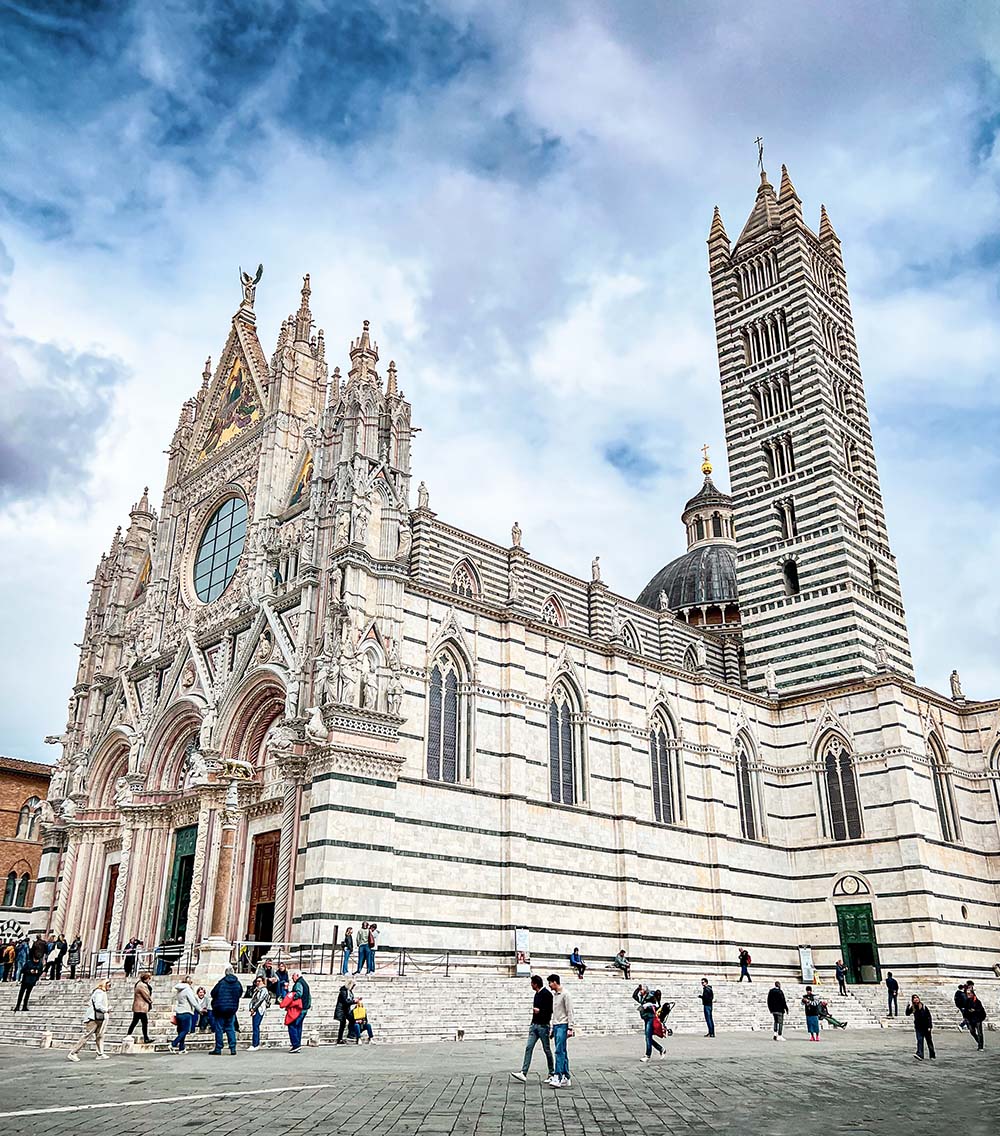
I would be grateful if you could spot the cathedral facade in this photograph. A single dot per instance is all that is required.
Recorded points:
(304, 699)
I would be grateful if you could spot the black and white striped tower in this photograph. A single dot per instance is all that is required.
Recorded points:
(818, 589)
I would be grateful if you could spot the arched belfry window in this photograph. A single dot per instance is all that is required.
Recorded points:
(665, 769)
(21, 899)
(27, 820)
(565, 772)
(445, 721)
(630, 638)
(944, 794)
(748, 790)
(10, 891)
(552, 613)
(840, 779)
(463, 581)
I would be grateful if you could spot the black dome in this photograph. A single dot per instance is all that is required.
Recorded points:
(703, 575)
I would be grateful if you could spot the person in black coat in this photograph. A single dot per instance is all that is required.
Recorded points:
(226, 995)
(30, 975)
(777, 1007)
(922, 1025)
(892, 991)
(707, 1002)
(974, 1013)
(342, 1011)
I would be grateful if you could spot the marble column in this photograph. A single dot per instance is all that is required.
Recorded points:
(291, 809)
(53, 843)
(215, 951)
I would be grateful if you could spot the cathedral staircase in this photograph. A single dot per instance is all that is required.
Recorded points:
(426, 1007)
(937, 995)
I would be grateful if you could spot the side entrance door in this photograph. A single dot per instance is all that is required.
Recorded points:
(858, 945)
(179, 892)
(263, 886)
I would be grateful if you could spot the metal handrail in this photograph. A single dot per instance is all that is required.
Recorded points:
(309, 958)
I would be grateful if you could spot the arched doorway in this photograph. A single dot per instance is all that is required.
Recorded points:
(856, 927)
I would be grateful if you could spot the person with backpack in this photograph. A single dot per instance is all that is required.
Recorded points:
(811, 1006)
(362, 948)
(922, 1025)
(342, 1011)
(577, 963)
(30, 974)
(142, 1003)
(745, 961)
(94, 1023)
(260, 999)
(777, 1007)
(300, 991)
(648, 1002)
(974, 1013)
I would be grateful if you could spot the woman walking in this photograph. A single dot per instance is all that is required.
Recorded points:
(94, 1023)
(186, 1011)
(922, 1025)
(142, 1003)
(260, 999)
(648, 1001)
(811, 1007)
(342, 1011)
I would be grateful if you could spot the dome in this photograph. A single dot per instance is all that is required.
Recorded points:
(709, 494)
(705, 574)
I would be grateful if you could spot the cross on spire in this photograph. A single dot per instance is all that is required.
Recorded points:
(760, 152)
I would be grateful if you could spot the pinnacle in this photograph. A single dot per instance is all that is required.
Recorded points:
(718, 230)
(391, 386)
(826, 230)
(787, 189)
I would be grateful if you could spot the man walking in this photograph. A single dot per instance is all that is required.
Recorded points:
(974, 1013)
(300, 990)
(745, 961)
(922, 1025)
(892, 989)
(960, 1006)
(562, 1030)
(707, 1001)
(842, 977)
(778, 1007)
(541, 1019)
(226, 995)
(30, 974)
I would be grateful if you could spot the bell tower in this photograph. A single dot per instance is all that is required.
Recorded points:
(819, 593)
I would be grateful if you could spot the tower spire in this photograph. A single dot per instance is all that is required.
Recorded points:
(304, 318)
(364, 356)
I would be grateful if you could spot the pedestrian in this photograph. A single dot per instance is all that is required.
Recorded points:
(974, 1013)
(811, 1007)
(360, 1022)
(142, 1003)
(348, 945)
(707, 1002)
(61, 948)
(538, 1030)
(373, 934)
(38, 950)
(73, 956)
(50, 957)
(577, 963)
(620, 962)
(20, 957)
(94, 1023)
(186, 1011)
(745, 961)
(292, 1005)
(129, 955)
(841, 977)
(267, 971)
(7, 956)
(284, 981)
(203, 1018)
(226, 995)
(342, 1011)
(777, 1007)
(647, 1002)
(30, 974)
(960, 1005)
(260, 999)
(362, 948)
(892, 989)
(300, 990)
(922, 1025)
(562, 1030)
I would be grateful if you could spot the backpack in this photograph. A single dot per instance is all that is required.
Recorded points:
(371, 938)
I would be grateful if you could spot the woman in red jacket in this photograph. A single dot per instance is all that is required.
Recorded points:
(292, 1005)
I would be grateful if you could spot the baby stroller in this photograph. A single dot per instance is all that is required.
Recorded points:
(826, 1016)
(662, 1013)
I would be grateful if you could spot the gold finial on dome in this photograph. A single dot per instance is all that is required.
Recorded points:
(706, 465)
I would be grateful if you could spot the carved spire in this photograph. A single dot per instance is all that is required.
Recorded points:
(391, 388)
(826, 230)
(206, 374)
(320, 345)
(789, 203)
(304, 318)
(764, 215)
(142, 505)
(364, 356)
(718, 230)
(787, 189)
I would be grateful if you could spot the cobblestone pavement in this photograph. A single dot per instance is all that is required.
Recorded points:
(741, 1083)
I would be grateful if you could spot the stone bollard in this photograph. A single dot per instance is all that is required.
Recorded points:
(127, 1047)
(46, 1042)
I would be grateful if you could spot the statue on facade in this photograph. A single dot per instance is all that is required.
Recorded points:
(195, 767)
(292, 694)
(393, 661)
(249, 284)
(207, 728)
(68, 809)
(881, 654)
(76, 783)
(370, 691)
(123, 792)
(700, 655)
(423, 497)
(662, 601)
(343, 526)
(359, 522)
(515, 535)
(956, 687)
(595, 570)
(616, 623)
(349, 675)
(771, 679)
(316, 730)
(46, 812)
(394, 695)
(513, 583)
(405, 540)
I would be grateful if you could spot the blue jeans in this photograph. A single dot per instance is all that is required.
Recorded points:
(371, 960)
(921, 1038)
(709, 1020)
(536, 1034)
(224, 1024)
(346, 963)
(651, 1042)
(559, 1034)
(185, 1024)
(295, 1030)
(357, 1028)
(744, 973)
(362, 957)
(894, 1004)
(255, 1027)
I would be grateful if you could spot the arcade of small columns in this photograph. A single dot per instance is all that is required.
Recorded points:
(133, 807)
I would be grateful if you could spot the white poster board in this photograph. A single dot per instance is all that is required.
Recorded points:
(806, 965)
(522, 952)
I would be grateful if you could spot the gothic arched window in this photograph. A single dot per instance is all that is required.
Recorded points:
(444, 721)
(665, 767)
(552, 613)
(21, 899)
(747, 790)
(27, 819)
(565, 780)
(631, 639)
(944, 796)
(790, 572)
(843, 807)
(463, 581)
(10, 890)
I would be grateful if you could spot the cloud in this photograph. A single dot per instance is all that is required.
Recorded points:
(518, 197)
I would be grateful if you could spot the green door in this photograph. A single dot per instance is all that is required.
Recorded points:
(179, 892)
(858, 945)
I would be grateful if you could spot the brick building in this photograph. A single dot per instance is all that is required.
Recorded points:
(23, 786)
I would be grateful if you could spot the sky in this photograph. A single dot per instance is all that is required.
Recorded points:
(517, 196)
